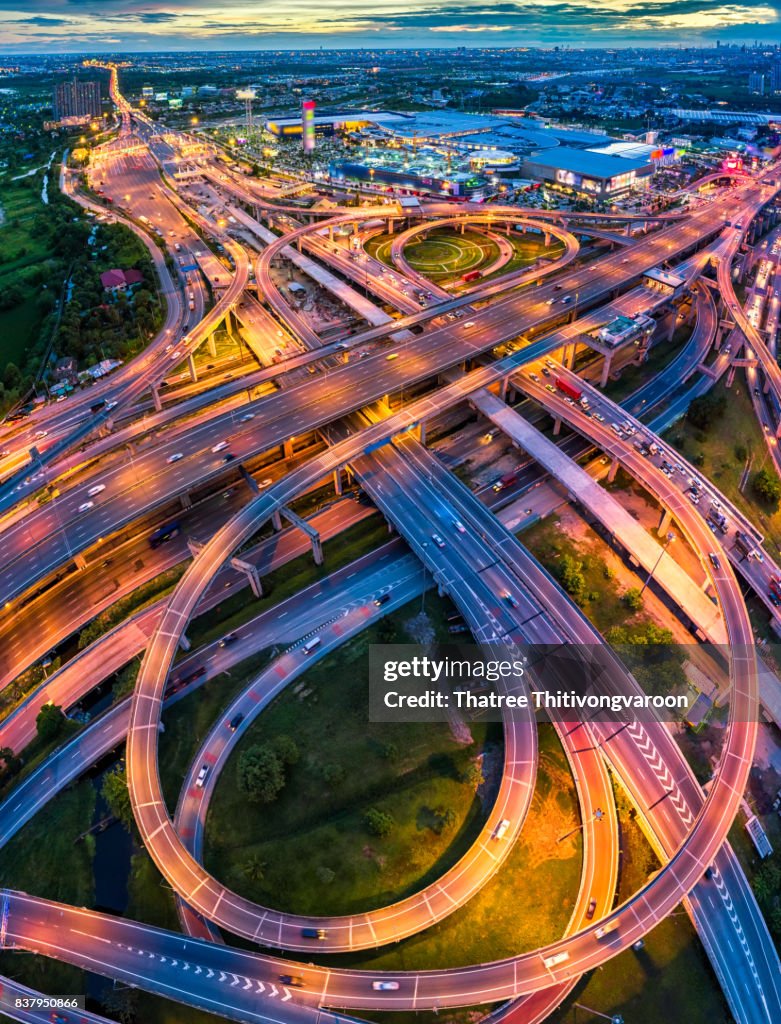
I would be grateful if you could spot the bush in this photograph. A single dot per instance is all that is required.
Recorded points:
(260, 774)
(633, 599)
(766, 486)
(49, 722)
(333, 774)
(379, 823)
(706, 409)
(286, 750)
(116, 794)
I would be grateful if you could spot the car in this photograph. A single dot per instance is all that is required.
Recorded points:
(546, 371)
(511, 599)
(235, 722)
(229, 457)
(266, 483)
(534, 377)
(393, 355)
(756, 392)
(592, 906)
(468, 323)
(96, 490)
(220, 446)
(313, 933)
(550, 387)
(111, 405)
(714, 559)
(248, 416)
(174, 458)
(381, 600)
(459, 526)
(558, 287)
(226, 641)
(202, 776)
(385, 986)
(175, 355)
(58, 1018)
(40, 434)
(293, 980)
(437, 540)
(85, 506)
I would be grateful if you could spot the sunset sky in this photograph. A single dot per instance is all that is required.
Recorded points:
(77, 25)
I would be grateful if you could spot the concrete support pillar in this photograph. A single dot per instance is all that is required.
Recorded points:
(664, 524)
(287, 449)
(338, 487)
(628, 229)
(191, 367)
(276, 519)
(463, 227)
(185, 500)
(504, 384)
(211, 344)
(330, 232)
(556, 427)
(156, 398)
(317, 549)
(422, 432)
(298, 243)
(611, 473)
(606, 371)
(184, 643)
(391, 225)
(80, 562)
(251, 572)
(673, 324)
(547, 239)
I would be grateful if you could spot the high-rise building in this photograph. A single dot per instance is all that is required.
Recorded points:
(76, 99)
(308, 125)
(775, 78)
(147, 92)
(756, 83)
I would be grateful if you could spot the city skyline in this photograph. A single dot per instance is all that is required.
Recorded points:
(73, 26)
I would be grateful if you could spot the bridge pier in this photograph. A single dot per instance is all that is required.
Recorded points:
(422, 433)
(239, 564)
(605, 376)
(191, 368)
(287, 449)
(611, 473)
(211, 344)
(154, 391)
(80, 562)
(276, 520)
(185, 500)
(309, 530)
(665, 522)
(556, 427)
(338, 485)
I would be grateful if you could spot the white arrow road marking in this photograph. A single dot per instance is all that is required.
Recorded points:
(273, 991)
(197, 970)
(287, 995)
(235, 981)
(209, 973)
(261, 987)
(248, 985)
(222, 976)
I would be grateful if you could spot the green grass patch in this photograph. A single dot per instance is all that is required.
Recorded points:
(527, 903)
(412, 771)
(43, 860)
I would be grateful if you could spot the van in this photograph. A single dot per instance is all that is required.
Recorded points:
(557, 958)
(313, 933)
(501, 828)
(202, 776)
(310, 645)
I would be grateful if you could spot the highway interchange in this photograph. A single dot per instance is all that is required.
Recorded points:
(344, 404)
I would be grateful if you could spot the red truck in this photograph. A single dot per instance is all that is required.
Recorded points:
(471, 276)
(568, 389)
(506, 480)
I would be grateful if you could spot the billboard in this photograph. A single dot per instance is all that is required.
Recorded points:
(308, 125)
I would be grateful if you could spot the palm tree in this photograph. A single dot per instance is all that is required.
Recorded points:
(254, 868)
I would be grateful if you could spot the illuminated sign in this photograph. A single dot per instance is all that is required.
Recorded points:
(308, 125)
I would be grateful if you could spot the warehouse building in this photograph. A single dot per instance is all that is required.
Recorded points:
(600, 175)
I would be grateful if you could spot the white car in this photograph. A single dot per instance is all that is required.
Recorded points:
(469, 323)
(248, 416)
(175, 457)
(266, 483)
(40, 434)
(175, 355)
(437, 540)
(220, 446)
(96, 490)
(86, 506)
(385, 986)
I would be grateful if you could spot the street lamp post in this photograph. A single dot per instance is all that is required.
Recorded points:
(614, 1018)
(668, 540)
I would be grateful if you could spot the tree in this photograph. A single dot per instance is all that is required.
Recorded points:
(379, 823)
(260, 774)
(49, 722)
(254, 868)
(116, 794)
(633, 599)
(333, 774)
(387, 632)
(766, 486)
(570, 573)
(286, 750)
(325, 875)
(705, 410)
(472, 775)
(10, 764)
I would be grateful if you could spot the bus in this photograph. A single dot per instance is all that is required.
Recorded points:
(472, 275)
(163, 534)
